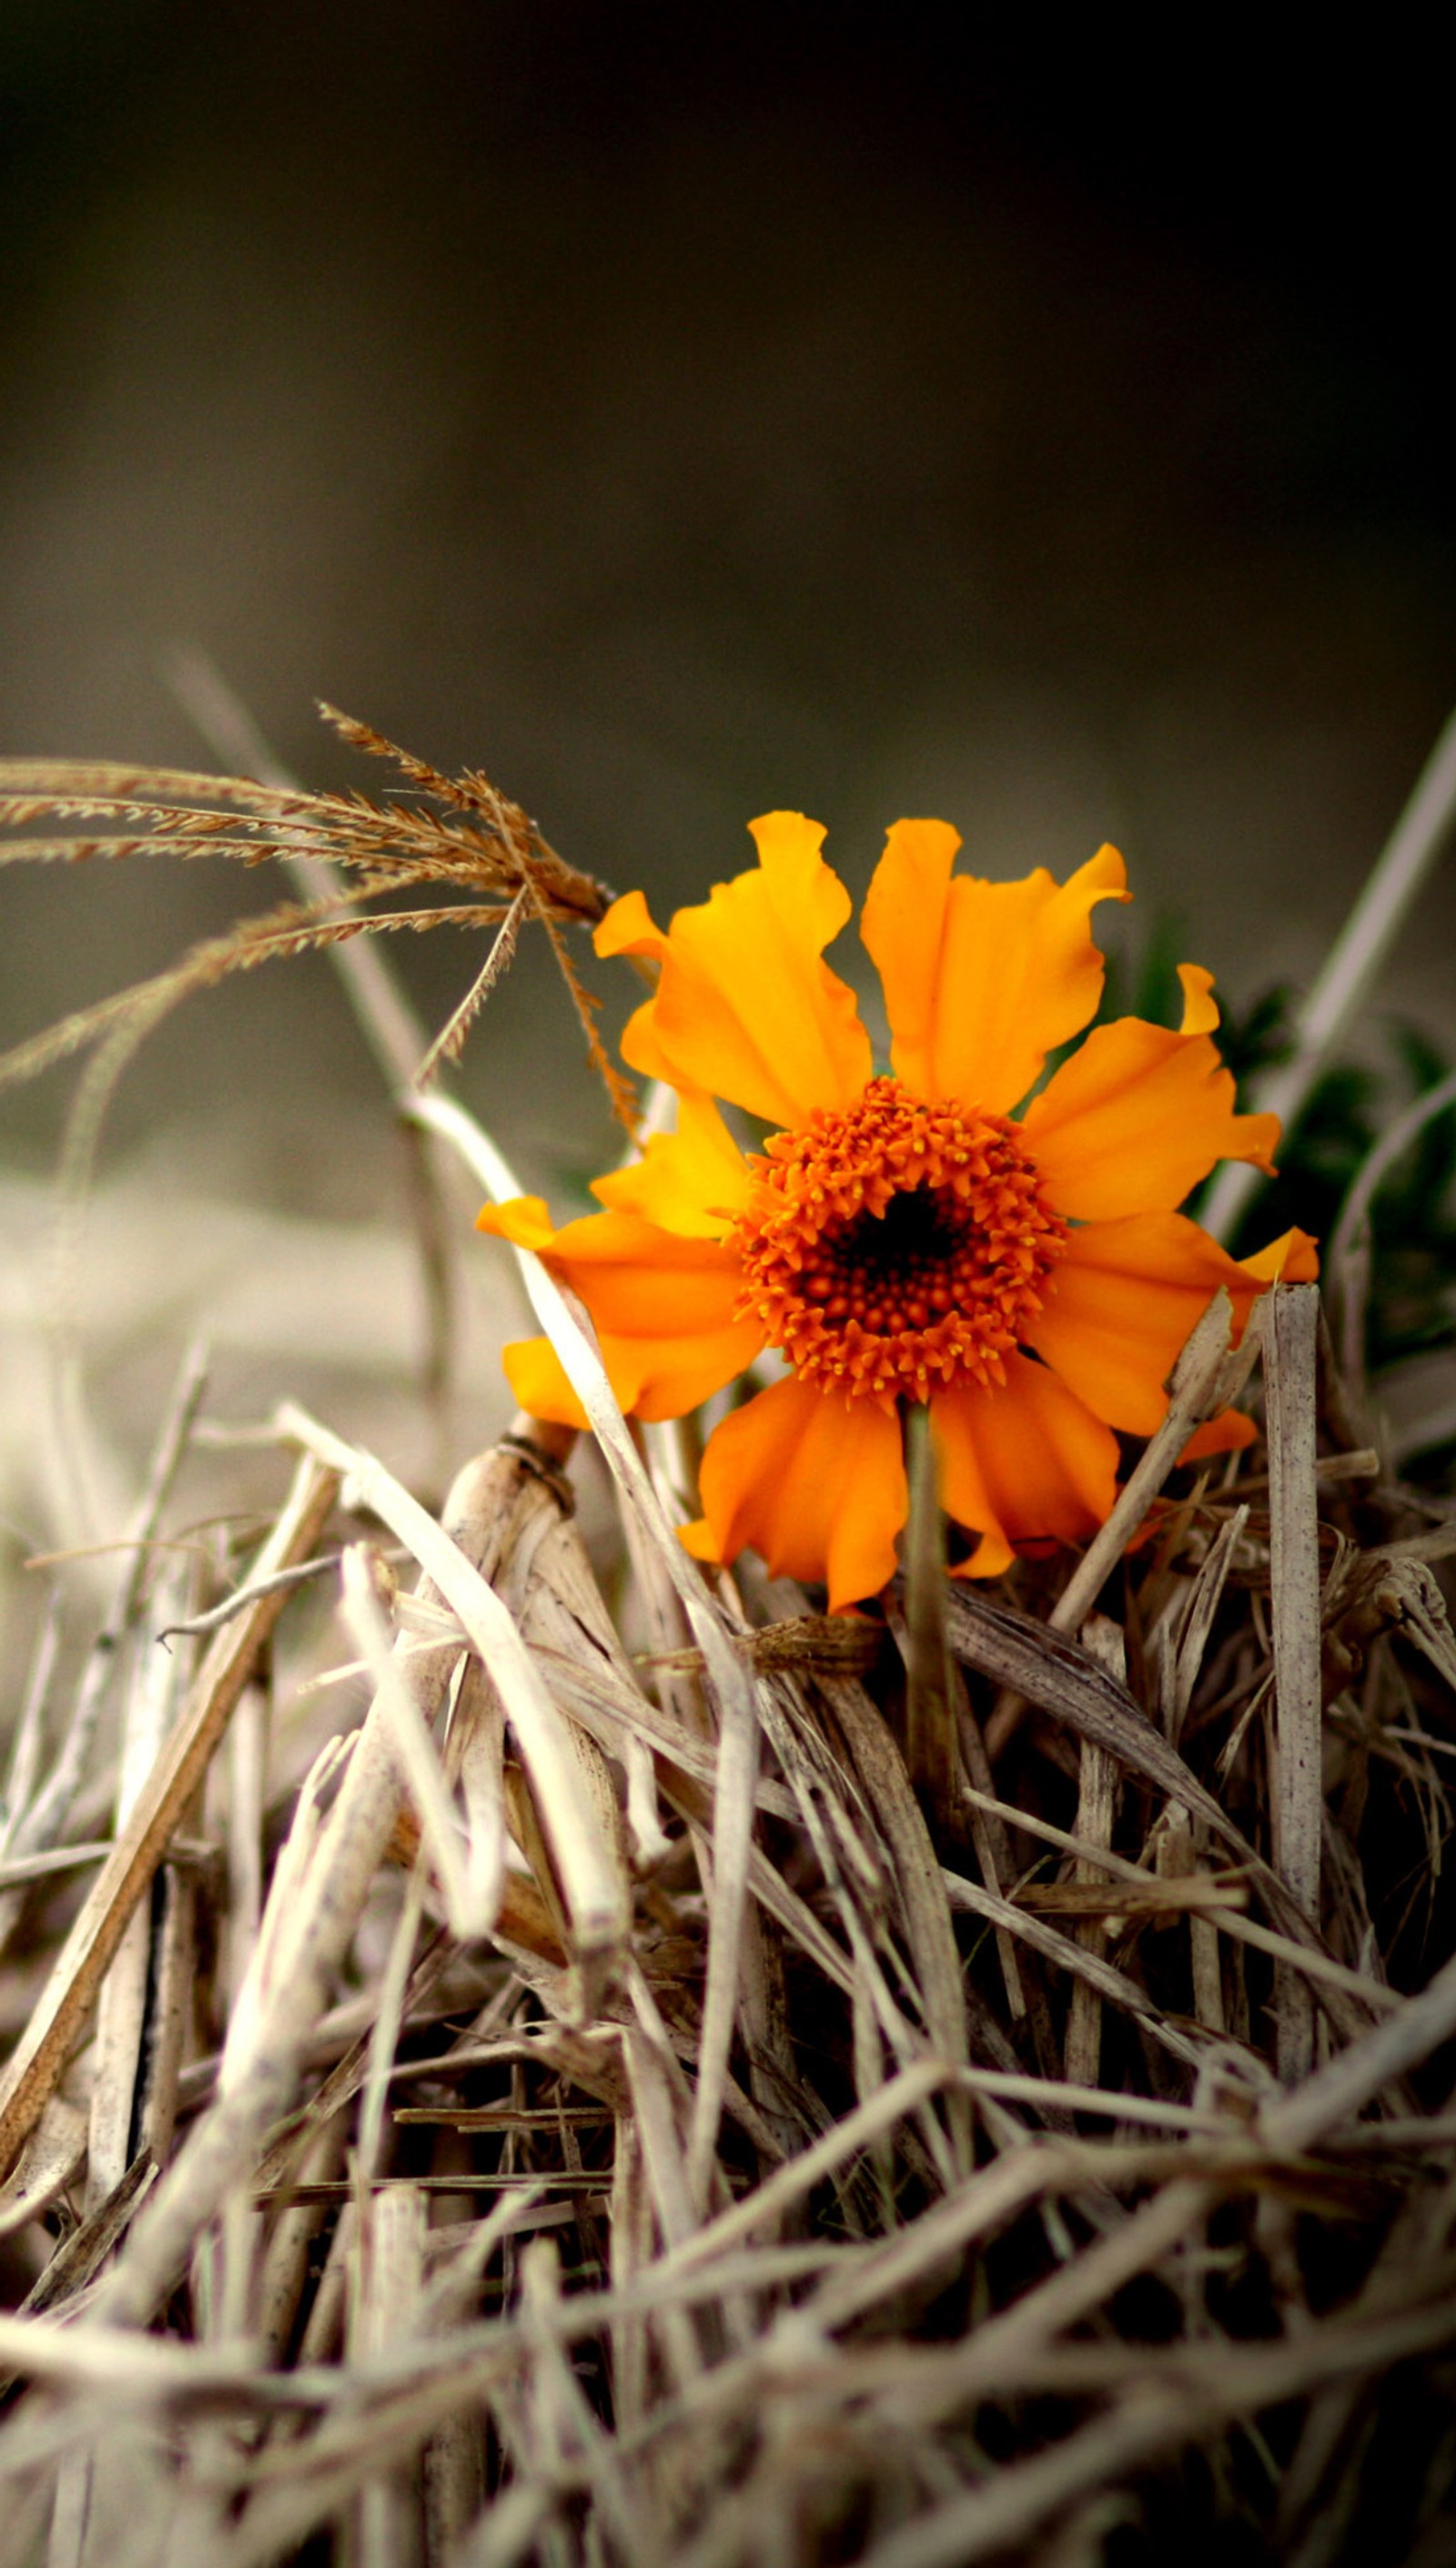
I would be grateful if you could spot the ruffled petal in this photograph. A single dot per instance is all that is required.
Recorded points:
(628, 929)
(1292, 1258)
(982, 980)
(524, 1220)
(537, 1377)
(745, 1007)
(1136, 1117)
(663, 1308)
(816, 1485)
(694, 1181)
(1121, 1304)
(1200, 1007)
(1027, 1463)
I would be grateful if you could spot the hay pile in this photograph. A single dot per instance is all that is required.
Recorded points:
(600, 2108)
(684, 2077)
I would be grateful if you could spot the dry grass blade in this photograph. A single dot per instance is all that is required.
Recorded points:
(1113, 1985)
(727, 1680)
(35, 2066)
(930, 1728)
(1151, 2419)
(318, 1893)
(1095, 1819)
(37, 1813)
(1205, 1378)
(1355, 960)
(1290, 1345)
(152, 1704)
(1348, 1258)
(52, 2152)
(1048, 1671)
(449, 1043)
(1346, 2084)
(930, 1933)
(587, 1867)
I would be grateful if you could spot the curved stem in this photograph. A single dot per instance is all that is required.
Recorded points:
(1348, 1254)
(1353, 964)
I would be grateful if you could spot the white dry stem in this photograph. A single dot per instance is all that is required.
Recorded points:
(480, 1755)
(247, 1765)
(384, 2036)
(1317, 1967)
(1353, 2078)
(548, 1583)
(764, 2208)
(1111, 1984)
(388, 2276)
(1096, 1813)
(395, 1034)
(1204, 1380)
(1348, 1257)
(1196, 1621)
(36, 1827)
(36, 2064)
(293, 1972)
(151, 1707)
(591, 1878)
(1289, 1350)
(25, 1868)
(1183, 1636)
(30, 1730)
(1316, 1964)
(285, 1914)
(296, 1958)
(439, 1826)
(1351, 966)
(45, 2167)
(727, 1679)
(1011, 2089)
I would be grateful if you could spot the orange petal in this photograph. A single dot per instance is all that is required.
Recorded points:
(1135, 1118)
(814, 1483)
(1200, 1008)
(663, 1308)
(537, 1377)
(1120, 1305)
(745, 1007)
(1023, 1463)
(1292, 1258)
(692, 1182)
(524, 1221)
(628, 929)
(641, 1380)
(1229, 1433)
(982, 980)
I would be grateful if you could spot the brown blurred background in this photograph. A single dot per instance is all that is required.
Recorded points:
(682, 411)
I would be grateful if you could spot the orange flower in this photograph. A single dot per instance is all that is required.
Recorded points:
(906, 1235)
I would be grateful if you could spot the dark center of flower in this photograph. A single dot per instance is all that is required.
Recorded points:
(894, 1247)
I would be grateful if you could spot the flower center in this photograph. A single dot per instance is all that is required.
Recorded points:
(893, 1248)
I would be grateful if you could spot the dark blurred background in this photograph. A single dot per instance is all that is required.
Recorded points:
(681, 411)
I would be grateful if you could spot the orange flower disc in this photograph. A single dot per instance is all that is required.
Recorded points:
(894, 1246)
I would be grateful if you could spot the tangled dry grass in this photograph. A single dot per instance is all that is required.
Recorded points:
(684, 2077)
